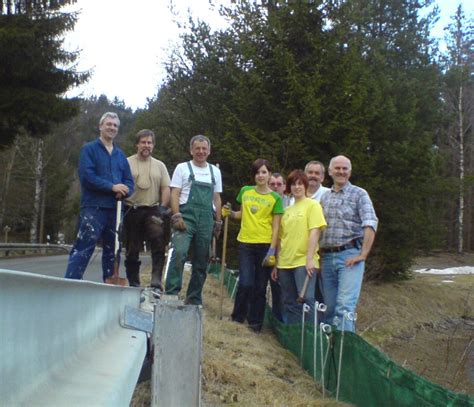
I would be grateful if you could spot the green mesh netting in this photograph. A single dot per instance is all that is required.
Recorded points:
(367, 378)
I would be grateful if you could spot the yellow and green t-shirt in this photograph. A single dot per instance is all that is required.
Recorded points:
(257, 215)
(295, 227)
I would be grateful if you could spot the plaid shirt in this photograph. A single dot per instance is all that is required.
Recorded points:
(347, 212)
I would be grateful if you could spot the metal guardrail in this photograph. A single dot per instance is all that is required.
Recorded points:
(62, 342)
(7, 249)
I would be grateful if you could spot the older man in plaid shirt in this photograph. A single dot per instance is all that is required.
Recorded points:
(345, 243)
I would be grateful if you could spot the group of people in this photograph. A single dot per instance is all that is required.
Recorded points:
(308, 240)
(189, 202)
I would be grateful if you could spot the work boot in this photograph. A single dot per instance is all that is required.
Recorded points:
(132, 268)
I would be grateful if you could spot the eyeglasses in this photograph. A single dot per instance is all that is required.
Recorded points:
(276, 184)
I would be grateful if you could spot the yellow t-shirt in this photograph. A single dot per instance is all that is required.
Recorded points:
(296, 224)
(257, 215)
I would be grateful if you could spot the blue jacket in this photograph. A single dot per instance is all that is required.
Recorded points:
(99, 171)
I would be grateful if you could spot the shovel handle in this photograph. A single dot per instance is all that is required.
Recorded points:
(300, 299)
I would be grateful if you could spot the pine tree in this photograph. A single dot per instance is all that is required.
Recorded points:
(34, 69)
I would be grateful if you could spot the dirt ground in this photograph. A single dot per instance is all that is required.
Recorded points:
(424, 324)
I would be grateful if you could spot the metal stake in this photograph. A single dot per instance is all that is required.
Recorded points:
(306, 308)
(322, 308)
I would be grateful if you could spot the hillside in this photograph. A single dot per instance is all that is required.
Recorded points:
(423, 324)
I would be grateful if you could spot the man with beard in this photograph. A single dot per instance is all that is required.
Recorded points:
(146, 211)
(314, 170)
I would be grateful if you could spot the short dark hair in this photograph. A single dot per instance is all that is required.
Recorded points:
(296, 175)
(260, 162)
(144, 133)
(278, 175)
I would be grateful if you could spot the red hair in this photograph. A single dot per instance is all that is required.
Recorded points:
(296, 175)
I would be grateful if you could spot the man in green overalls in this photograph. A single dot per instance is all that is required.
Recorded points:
(195, 199)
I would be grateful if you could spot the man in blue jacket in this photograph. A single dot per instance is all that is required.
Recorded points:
(105, 176)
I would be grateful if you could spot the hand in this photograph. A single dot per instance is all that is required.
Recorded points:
(177, 222)
(310, 268)
(269, 260)
(217, 229)
(164, 211)
(121, 190)
(354, 260)
(274, 274)
(226, 210)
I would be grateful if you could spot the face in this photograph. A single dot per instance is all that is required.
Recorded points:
(262, 176)
(109, 128)
(200, 151)
(145, 147)
(298, 189)
(315, 175)
(340, 170)
(277, 184)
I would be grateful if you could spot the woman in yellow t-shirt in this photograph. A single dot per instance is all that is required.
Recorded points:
(259, 216)
(297, 257)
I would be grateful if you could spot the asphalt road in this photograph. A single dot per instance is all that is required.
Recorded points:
(55, 266)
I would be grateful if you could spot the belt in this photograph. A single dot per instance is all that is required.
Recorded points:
(338, 249)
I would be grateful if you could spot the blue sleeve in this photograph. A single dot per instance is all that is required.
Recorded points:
(88, 171)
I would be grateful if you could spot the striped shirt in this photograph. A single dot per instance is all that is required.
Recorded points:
(347, 212)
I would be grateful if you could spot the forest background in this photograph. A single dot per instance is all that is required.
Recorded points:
(287, 81)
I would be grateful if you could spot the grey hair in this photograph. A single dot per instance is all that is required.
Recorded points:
(314, 162)
(199, 137)
(339, 156)
(112, 115)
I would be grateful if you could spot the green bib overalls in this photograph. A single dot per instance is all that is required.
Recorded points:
(198, 215)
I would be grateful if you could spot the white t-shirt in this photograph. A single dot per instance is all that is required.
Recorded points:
(181, 180)
(319, 193)
(316, 196)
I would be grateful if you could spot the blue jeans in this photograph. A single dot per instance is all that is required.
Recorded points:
(341, 286)
(250, 299)
(94, 224)
(292, 281)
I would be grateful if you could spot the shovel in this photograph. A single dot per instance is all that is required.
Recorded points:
(224, 252)
(115, 279)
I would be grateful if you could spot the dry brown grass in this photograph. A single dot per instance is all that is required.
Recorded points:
(404, 319)
(241, 367)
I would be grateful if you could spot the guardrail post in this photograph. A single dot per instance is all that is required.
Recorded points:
(177, 340)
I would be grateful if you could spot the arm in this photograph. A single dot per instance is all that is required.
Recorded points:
(175, 192)
(312, 244)
(274, 274)
(165, 196)
(275, 227)
(369, 237)
(218, 204)
(127, 177)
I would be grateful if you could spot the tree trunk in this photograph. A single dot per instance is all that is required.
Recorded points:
(38, 190)
(6, 183)
(461, 173)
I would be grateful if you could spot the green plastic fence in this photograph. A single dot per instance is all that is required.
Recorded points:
(367, 378)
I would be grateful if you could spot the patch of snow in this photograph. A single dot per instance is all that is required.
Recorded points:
(452, 270)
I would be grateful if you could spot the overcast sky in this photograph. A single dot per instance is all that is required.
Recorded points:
(125, 46)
